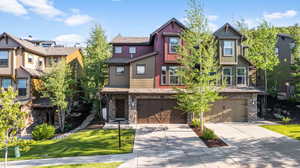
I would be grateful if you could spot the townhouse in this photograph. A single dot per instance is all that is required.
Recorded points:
(142, 74)
(24, 61)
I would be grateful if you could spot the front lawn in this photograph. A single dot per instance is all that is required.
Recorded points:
(92, 165)
(83, 143)
(292, 130)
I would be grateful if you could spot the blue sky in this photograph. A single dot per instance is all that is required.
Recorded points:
(70, 21)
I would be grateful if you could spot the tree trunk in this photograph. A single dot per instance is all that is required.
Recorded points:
(6, 150)
(63, 116)
(202, 121)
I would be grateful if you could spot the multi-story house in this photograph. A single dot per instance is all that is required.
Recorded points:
(143, 72)
(23, 61)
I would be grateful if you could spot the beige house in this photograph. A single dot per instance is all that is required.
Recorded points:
(23, 61)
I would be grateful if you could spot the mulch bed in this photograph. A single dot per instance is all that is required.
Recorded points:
(209, 143)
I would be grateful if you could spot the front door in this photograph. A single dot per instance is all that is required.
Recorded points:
(120, 108)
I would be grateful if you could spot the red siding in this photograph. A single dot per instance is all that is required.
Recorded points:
(140, 50)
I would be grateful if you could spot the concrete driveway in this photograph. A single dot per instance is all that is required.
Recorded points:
(176, 146)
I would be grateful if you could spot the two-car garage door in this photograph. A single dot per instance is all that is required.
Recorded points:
(163, 111)
(159, 111)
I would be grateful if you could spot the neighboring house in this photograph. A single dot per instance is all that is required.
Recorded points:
(142, 73)
(22, 62)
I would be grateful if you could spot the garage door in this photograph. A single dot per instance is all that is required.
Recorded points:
(230, 110)
(158, 111)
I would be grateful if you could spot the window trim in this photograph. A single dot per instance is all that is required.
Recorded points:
(231, 75)
(7, 65)
(30, 57)
(115, 49)
(170, 45)
(120, 73)
(132, 52)
(245, 76)
(233, 48)
(144, 65)
(17, 87)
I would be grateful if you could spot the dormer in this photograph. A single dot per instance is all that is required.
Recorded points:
(167, 38)
(229, 44)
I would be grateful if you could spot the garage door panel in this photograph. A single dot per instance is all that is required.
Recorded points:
(228, 110)
(159, 111)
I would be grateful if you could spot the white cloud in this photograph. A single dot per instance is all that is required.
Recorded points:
(69, 39)
(75, 10)
(212, 17)
(78, 19)
(12, 6)
(42, 7)
(212, 26)
(280, 15)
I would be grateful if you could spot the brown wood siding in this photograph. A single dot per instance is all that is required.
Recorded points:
(146, 80)
(159, 111)
(118, 80)
(227, 110)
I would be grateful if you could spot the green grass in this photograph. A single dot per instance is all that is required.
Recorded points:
(92, 165)
(292, 130)
(83, 143)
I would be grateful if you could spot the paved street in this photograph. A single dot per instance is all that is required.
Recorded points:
(176, 146)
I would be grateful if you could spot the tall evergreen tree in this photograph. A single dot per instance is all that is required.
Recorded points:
(200, 70)
(295, 67)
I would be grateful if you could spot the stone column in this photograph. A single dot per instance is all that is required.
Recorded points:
(111, 108)
(252, 107)
(132, 109)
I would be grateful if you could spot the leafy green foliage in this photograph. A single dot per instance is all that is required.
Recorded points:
(11, 118)
(43, 131)
(57, 86)
(286, 120)
(208, 134)
(98, 50)
(200, 71)
(196, 123)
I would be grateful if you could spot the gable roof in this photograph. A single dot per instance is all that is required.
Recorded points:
(44, 51)
(130, 40)
(227, 25)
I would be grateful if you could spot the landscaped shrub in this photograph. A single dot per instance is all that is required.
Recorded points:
(196, 123)
(208, 134)
(285, 120)
(43, 131)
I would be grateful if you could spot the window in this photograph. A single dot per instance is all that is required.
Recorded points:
(48, 62)
(3, 58)
(120, 69)
(163, 76)
(22, 87)
(118, 50)
(140, 69)
(30, 58)
(277, 51)
(132, 50)
(5, 83)
(227, 75)
(173, 76)
(173, 44)
(40, 62)
(228, 48)
(55, 60)
(241, 76)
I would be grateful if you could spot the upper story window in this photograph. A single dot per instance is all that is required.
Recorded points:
(30, 58)
(120, 70)
(140, 69)
(6, 83)
(22, 87)
(173, 44)
(228, 48)
(132, 50)
(3, 58)
(227, 75)
(241, 76)
(40, 62)
(118, 50)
